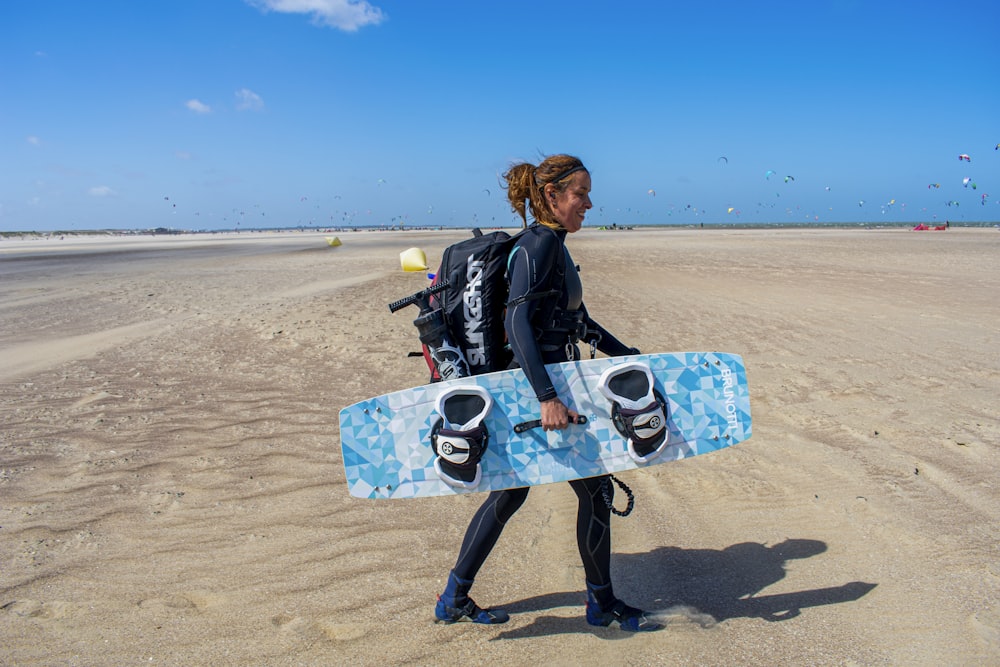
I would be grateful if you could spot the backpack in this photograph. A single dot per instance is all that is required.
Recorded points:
(461, 313)
(474, 300)
(461, 321)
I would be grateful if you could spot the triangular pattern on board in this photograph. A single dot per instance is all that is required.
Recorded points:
(387, 450)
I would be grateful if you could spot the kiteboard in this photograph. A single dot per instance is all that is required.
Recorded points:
(483, 433)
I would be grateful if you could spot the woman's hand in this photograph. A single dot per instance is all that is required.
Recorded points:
(555, 415)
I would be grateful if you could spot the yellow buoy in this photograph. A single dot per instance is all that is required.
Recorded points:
(333, 241)
(413, 259)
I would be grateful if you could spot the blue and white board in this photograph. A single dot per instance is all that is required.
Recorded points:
(386, 440)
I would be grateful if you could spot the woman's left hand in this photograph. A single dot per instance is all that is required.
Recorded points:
(556, 416)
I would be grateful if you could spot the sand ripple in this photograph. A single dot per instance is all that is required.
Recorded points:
(171, 488)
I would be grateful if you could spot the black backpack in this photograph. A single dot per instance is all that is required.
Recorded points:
(474, 301)
(461, 321)
(461, 313)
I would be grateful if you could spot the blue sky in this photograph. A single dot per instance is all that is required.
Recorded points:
(220, 114)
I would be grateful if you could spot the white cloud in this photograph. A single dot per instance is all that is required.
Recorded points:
(33, 140)
(102, 191)
(183, 155)
(347, 15)
(198, 106)
(247, 100)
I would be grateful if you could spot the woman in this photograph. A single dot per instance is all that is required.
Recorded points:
(545, 319)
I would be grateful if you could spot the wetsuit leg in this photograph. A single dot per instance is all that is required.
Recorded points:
(593, 530)
(485, 528)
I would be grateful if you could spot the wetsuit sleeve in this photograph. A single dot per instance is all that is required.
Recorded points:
(530, 270)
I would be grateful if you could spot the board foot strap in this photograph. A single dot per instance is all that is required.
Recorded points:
(459, 437)
(638, 410)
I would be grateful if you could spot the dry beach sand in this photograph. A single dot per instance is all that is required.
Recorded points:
(171, 487)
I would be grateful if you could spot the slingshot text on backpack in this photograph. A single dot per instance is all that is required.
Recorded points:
(473, 300)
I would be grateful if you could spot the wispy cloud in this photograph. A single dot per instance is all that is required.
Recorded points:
(101, 191)
(33, 140)
(247, 100)
(347, 15)
(198, 106)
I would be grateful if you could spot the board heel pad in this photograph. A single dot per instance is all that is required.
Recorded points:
(638, 410)
(459, 437)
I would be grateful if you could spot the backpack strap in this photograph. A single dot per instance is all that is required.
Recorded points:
(560, 269)
(531, 297)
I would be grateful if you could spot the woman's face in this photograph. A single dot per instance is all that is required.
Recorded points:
(570, 206)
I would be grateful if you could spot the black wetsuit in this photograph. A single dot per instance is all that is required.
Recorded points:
(540, 263)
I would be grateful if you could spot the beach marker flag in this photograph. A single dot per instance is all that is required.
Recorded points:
(413, 259)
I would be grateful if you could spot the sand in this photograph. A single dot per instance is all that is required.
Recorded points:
(172, 492)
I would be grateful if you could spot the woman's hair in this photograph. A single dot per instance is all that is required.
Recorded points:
(526, 184)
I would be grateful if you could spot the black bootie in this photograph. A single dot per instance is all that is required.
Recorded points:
(603, 609)
(454, 605)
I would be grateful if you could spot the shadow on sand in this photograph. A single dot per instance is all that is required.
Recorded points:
(707, 586)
